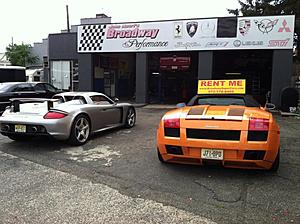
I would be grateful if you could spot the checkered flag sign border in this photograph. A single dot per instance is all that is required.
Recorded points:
(91, 38)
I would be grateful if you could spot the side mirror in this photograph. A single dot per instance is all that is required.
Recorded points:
(270, 106)
(180, 105)
(116, 99)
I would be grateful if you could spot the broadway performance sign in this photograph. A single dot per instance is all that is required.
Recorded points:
(268, 32)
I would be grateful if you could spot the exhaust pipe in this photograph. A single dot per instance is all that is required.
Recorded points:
(34, 129)
(6, 128)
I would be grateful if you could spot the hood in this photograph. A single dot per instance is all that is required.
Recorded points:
(218, 112)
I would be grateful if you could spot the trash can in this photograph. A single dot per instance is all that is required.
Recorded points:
(289, 99)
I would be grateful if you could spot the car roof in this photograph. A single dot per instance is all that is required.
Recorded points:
(79, 93)
(15, 83)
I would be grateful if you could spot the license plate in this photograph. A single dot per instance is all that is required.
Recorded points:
(215, 154)
(20, 128)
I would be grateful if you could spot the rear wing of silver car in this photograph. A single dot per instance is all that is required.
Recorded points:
(15, 102)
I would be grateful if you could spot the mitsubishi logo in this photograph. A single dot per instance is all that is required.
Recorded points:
(284, 27)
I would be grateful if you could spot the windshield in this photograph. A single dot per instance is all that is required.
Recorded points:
(5, 86)
(219, 101)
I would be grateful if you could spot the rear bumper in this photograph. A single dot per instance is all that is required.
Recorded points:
(233, 151)
(57, 128)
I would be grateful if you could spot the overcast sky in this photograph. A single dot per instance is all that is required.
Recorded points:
(30, 21)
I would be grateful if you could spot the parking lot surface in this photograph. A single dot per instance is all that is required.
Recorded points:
(116, 177)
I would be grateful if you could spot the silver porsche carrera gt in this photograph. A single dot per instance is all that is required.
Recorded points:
(71, 116)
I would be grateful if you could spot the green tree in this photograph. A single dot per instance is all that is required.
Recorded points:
(20, 54)
(270, 7)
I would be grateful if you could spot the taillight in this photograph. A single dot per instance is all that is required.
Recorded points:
(54, 115)
(172, 123)
(258, 124)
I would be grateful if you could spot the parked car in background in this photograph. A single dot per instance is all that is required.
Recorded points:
(10, 90)
(68, 116)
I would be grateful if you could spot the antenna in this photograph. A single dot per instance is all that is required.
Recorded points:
(68, 25)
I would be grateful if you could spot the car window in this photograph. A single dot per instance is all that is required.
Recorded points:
(101, 100)
(60, 98)
(80, 98)
(39, 87)
(220, 101)
(23, 88)
(5, 86)
(50, 87)
(68, 98)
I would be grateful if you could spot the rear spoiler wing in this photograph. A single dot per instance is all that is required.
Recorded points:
(15, 102)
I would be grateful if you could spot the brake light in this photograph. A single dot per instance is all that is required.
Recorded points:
(172, 123)
(54, 115)
(258, 124)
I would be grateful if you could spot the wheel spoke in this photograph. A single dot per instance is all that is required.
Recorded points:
(82, 129)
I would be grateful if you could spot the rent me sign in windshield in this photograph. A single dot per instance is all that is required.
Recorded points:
(235, 86)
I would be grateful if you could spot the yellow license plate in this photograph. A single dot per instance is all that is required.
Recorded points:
(215, 154)
(20, 128)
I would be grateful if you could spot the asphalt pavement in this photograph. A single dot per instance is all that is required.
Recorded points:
(117, 178)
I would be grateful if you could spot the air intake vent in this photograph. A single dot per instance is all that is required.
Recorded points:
(196, 111)
(213, 134)
(236, 112)
(257, 135)
(172, 132)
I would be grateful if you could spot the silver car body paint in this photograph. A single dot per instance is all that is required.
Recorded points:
(101, 117)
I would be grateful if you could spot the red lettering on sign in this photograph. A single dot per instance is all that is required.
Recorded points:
(232, 83)
(209, 83)
(203, 83)
(235, 83)
(216, 83)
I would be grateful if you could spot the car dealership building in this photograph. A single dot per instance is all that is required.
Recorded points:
(162, 61)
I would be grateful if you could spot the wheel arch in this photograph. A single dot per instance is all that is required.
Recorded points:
(78, 114)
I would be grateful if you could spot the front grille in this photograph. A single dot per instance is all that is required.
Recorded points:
(172, 132)
(185, 160)
(240, 164)
(254, 155)
(257, 135)
(233, 135)
(173, 149)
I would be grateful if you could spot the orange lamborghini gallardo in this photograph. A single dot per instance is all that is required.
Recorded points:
(227, 130)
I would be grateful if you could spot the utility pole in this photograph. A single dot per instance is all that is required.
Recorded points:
(68, 25)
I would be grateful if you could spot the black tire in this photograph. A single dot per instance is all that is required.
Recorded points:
(275, 165)
(130, 118)
(19, 138)
(80, 130)
(160, 157)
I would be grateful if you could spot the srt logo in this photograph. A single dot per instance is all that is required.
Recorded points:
(265, 25)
